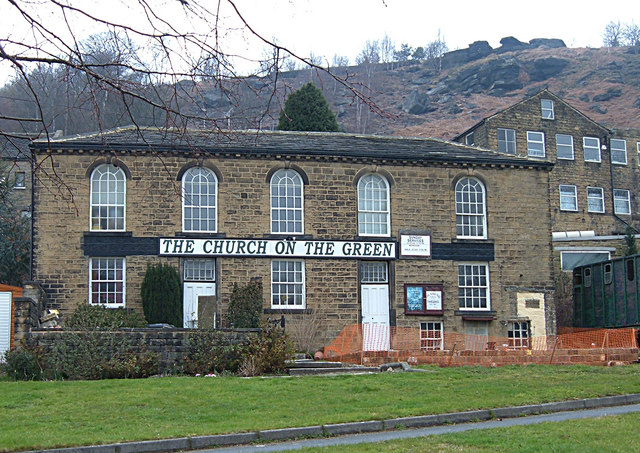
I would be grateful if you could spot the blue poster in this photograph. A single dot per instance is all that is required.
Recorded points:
(414, 298)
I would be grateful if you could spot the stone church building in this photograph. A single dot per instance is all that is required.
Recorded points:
(421, 233)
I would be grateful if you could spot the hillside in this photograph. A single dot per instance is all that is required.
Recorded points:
(418, 100)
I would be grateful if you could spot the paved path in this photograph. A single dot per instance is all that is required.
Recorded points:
(412, 433)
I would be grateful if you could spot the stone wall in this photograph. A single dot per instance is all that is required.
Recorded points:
(169, 345)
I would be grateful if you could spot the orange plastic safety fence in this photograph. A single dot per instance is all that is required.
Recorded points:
(375, 344)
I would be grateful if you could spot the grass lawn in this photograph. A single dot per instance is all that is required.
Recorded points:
(606, 434)
(56, 414)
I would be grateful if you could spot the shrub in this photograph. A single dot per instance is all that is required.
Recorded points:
(161, 293)
(92, 317)
(26, 363)
(270, 350)
(211, 352)
(245, 305)
(99, 355)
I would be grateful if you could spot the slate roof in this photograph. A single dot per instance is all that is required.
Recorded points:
(279, 144)
(14, 148)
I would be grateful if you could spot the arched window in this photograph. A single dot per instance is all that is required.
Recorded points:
(199, 200)
(108, 193)
(286, 202)
(471, 219)
(373, 206)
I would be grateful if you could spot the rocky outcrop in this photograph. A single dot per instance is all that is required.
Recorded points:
(545, 68)
(496, 76)
(610, 94)
(417, 103)
(547, 43)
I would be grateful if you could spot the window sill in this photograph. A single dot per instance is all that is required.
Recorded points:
(287, 311)
(109, 233)
(461, 240)
(199, 234)
(476, 315)
(425, 313)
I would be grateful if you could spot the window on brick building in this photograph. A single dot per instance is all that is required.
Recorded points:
(595, 199)
(373, 206)
(518, 334)
(20, 182)
(618, 151)
(473, 286)
(638, 146)
(568, 198)
(507, 140)
(535, 144)
(621, 202)
(108, 192)
(591, 147)
(199, 200)
(107, 282)
(287, 202)
(287, 284)
(469, 139)
(574, 258)
(564, 146)
(431, 336)
(471, 219)
(546, 105)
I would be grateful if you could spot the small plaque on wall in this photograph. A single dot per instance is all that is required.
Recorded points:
(415, 245)
(423, 299)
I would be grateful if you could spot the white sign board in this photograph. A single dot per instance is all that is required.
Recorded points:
(415, 245)
(277, 248)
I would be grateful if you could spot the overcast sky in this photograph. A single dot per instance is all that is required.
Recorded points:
(341, 27)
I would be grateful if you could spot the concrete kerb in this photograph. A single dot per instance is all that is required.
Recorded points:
(199, 442)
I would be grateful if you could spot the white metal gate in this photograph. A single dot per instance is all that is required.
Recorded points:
(5, 322)
(192, 291)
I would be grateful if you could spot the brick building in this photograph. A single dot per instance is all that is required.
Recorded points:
(406, 232)
(593, 185)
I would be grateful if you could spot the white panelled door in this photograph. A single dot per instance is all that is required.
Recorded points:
(5, 322)
(375, 317)
(192, 291)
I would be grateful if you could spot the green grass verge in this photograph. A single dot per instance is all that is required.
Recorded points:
(605, 434)
(56, 414)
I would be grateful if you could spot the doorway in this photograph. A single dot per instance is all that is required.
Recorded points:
(374, 298)
(199, 283)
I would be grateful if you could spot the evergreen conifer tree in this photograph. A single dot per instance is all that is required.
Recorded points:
(307, 110)
(161, 293)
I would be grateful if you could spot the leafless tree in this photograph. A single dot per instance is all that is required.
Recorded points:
(160, 61)
(631, 35)
(612, 36)
(435, 50)
(387, 51)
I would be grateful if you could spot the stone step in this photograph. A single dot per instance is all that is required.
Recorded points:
(342, 370)
(314, 364)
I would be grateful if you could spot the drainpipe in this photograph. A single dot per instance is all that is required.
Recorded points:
(611, 167)
(33, 200)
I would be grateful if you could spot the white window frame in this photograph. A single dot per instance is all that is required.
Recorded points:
(104, 202)
(575, 252)
(107, 280)
(564, 146)
(538, 140)
(469, 139)
(509, 141)
(431, 336)
(289, 205)
(591, 147)
(466, 189)
(21, 180)
(638, 146)
(281, 289)
(547, 111)
(206, 182)
(519, 335)
(618, 151)
(621, 196)
(199, 270)
(568, 192)
(374, 205)
(470, 286)
(599, 198)
(374, 272)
